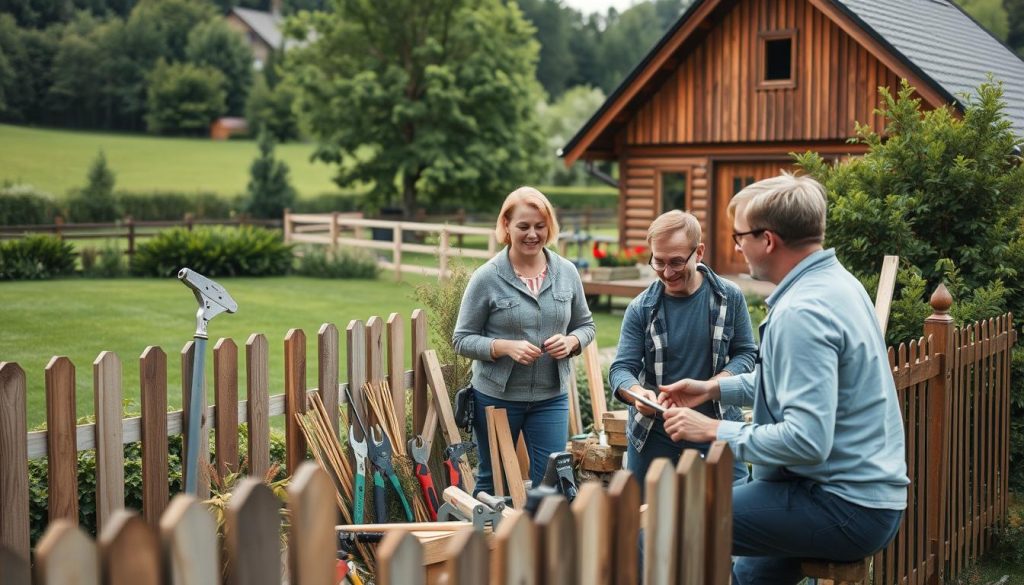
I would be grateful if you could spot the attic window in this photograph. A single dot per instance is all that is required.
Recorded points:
(778, 59)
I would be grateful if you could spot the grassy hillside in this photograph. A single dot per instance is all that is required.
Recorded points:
(57, 160)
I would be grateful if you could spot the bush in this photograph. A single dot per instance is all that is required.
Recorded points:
(95, 202)
(172, 205)
(342, 263)
(183, 98)
(328, 202)
(35, 258)
(269, 192)
(214, 252)
(443, 301)
(581, 197)
(38, 490)
(24, 205)
(105, 262)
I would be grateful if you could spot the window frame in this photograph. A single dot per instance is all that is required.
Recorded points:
(774, 35)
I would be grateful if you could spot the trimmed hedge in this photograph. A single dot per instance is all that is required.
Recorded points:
(172, 205)
(214, 252)
(581, 197)
(25, 205)
(343, 263)
(35, 258)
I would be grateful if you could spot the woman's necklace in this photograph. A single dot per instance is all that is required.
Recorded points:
(522, 273)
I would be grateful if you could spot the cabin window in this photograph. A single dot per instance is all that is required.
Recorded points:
(778, 59)
(673, 191)
(738, 183)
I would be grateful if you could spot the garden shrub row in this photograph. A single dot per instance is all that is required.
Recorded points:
(214, 252)
(35, 258)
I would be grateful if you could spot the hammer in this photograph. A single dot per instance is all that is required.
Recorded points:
(213, 300)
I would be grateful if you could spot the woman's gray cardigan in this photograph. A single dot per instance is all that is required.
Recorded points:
(497, 305)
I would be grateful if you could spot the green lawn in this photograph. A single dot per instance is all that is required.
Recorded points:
(57, 160)
(79, 318)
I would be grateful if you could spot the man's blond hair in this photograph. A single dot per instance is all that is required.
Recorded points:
(670, 222)
(793, 207)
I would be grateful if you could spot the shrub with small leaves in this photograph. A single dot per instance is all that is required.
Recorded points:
(35, 258)
(443, 300)
(341, 263)
(107, 261)
(214, 252)
(25, 205)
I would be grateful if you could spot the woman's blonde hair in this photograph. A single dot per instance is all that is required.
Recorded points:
(533, 198)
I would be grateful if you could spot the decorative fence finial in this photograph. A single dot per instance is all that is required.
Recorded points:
(941, 300)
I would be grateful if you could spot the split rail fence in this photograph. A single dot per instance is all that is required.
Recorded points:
(953, 385)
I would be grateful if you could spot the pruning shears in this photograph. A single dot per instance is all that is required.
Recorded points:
(359, 448)
(381, 455)
(420, 450)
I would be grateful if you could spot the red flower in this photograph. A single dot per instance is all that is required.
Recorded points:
(598, 252)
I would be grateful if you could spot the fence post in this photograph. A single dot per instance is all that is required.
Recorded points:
(130, 223)
(58, 223)
(396, 250)
(334, 230)
(189, 218)
(287, 225)
(938, 328)
(13, 462)
(443, 272)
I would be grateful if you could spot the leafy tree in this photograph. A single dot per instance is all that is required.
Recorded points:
(270, 110)
(559, 122)
(422, 100)
(171, 20)
(269, 191)
(214, 44)
(95, 202)
(990, 14)
(947, 194)
(29, 54)
(554, 23)
(1015, 24)
(76, 95)
(184, 98)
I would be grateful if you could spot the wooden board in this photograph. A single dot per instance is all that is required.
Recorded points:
(327, 371)
(13, 462)
(468, 558)
(510, 463)
(660, 527)
(400, 560)
(594, 535)
(595, 384)
(312, 542)
(396, 368)
(575, 418)
(253, 542)
(294, 397)
(65, 555)
(523, 455)
(624, 516)
(420, 400)
(257, 405)
(691, 517)
(129, 551)
(556, 542)
(718, 539)
(61, 440)
(225, 392)
(443, 407)
(498, 477)
(615, 421)
(514, 558)
(108, 402)
(886, 285)
(188, 537)
(153, 397)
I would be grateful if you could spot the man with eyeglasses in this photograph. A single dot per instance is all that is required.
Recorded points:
(690, 323)
(826, 441)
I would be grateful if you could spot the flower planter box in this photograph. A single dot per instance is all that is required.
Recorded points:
(606, 273)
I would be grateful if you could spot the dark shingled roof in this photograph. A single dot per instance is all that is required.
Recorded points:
(934, 38)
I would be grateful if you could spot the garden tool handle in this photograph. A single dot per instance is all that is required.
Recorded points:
(195, 417)
(454, 475)
(429, 492)
(380, 503)
(401, 496)
(359, 497)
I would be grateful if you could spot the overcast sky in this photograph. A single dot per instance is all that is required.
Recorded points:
(601, 6)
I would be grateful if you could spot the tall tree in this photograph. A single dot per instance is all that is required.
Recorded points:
(422, 99)
(555, 30)
(989, 13)
(214, 44)
(1015, 24)
(184, 98)
(269, 192)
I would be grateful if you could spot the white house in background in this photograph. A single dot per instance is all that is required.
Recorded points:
(261, 29)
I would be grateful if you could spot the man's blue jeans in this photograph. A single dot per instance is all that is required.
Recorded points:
(546, 424)
(778, 523)
(659, 444)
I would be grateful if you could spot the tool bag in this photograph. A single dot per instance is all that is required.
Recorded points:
(465, 406)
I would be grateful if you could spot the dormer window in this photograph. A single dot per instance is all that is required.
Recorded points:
(778, 59)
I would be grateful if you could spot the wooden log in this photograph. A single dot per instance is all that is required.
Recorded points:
(400, 560)
(188, 537)
(514, 559)
(14, 534)
(129, 551)
(225, 392)
(312, 543)
(64, 555)
(593, 530)
(556, 542)
(108, 403)
(294, 397)
(497, 477)
(691, 518)
(61, 440)
(509, 461)
(257, 405)
(660, 547)
(624, 516)
(252, 535)
(153, 397)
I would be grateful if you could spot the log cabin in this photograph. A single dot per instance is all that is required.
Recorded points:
(734, 86)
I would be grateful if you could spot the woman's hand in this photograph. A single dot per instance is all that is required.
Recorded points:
(561, 346)
(521, 352)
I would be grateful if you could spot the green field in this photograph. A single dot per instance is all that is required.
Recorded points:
(79, 318)
(58, 160)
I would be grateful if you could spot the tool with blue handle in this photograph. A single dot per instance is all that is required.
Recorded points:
(360, 450)
(381, 455)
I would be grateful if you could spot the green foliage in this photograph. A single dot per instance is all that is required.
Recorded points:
(1009, 538)
(24, 205)
(429, 101)
(946, 195)
(107, 261)
(95, 202)
(270, 109)
(170, 205)
(342, 263)
(1015, 24)
(183, 98)
(269, 192)
(442, 301)
(328, 202)
(213, 44)
(990, 14)
(214, 252)
(559, 122)
(582, 197)
(35, 258)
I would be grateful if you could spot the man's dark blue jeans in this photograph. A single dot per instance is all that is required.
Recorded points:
(776, 524)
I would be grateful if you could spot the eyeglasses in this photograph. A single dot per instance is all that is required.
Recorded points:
(676, 263)
(737, 235)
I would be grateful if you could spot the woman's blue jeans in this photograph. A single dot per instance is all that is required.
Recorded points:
(545, 423)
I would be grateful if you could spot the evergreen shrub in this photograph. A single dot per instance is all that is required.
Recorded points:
(35, 258)
(214, 252)
(342, 263)
(25, 205)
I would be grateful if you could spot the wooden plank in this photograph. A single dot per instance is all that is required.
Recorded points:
(420, 400)
(556, 542)
(257, 407)
(396, 368)
(188, 537)
(107, 401)
(294, 397)
(575, 418)
(660, 547)
(513, 476)
(883, 296)
(252, 539)
(129, 551)
(64, 555)
(595, 384)
(497, 477)
(153, 399)
(718, 541)
(62, 448)
(187, 353)
(468, 558)
(624, 516)
(400, 560)
(514, 557)
(312, 543)
(691, 517)
(593, 529)
(14, 568)
(327, 365)
(523, 455)
(225, 392)
(13, 462)
(443, 405)
(374, 352)
(355, 336)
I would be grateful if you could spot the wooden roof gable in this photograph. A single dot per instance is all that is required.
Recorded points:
(596, 139)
